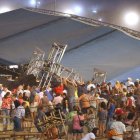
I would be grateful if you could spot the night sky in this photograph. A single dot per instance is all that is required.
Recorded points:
(111, 11)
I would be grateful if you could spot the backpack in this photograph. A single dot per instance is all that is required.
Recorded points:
(81, 122)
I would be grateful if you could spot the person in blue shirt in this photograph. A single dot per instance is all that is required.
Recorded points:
(111, 109)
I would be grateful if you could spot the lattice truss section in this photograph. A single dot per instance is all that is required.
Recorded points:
(36, 63)
(68, 73)
(54, 68)
(133, 33)
(55, 56)
(99, 75)
(45, 70)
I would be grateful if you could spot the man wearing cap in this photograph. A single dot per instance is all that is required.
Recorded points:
(129, 82)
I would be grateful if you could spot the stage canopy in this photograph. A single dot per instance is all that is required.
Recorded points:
(91, 44)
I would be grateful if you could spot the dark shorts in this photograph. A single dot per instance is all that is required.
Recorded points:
(84, 110)
(75, 131)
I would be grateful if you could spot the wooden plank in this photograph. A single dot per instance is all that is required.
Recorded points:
(2, 116)
(5, 136)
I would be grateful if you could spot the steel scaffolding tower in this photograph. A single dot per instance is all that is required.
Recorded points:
(45, 70)
(36, 63)
(54, 58)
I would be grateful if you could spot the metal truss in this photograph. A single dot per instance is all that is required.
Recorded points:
(89, 21)
(68, 73)
(45, 70)
(56, 53)
(54, 58)
(99, 75)
(53, 67)
(36, 63)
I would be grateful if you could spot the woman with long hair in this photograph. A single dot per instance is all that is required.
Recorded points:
(77, 127)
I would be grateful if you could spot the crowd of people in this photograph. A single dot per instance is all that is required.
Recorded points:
(89, 109)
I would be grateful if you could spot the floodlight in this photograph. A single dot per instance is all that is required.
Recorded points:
(33, 2)
(68, 13)
(13, 66)
(4, 9)
(94, 11)
(100, 19)
(78, 9)
(131, 18)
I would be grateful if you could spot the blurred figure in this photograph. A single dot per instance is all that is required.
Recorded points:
(19, 116)
(92, 135)
(102, 114)
(6, 107)
(77, 128)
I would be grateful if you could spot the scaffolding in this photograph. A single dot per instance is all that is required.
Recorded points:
(68, 73)
(44, 71)
(51, 66)
(99, 75)
(36, 63)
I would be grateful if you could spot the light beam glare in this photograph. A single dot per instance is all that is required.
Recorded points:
(94, 11)
(33, 2)
(78, 9)
(68, 11)
(4, 9)
(131, 18)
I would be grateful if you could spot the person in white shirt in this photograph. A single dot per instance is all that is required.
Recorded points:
(92, 135)
(19, 115)
(119, 128)
(133, 101)
(27, 93)
(57, 100)
(41, 94)
(4, 91)
(90, 84)
(129, 82)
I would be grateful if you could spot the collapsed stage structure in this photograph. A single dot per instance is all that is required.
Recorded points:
(45, 70)
(90, 41)
(92, 44)
(39, 27)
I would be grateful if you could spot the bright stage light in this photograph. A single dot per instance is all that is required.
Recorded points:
(78, 9)
(100, 19)
(69, 12)
(33, 2)
(13, 66)
(4, 9)
(94, 11)
(75, 11)
(131, 18)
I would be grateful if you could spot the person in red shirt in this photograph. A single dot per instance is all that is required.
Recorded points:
(60, 87)
(120, 109)
(6, 106)
(20, 98)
